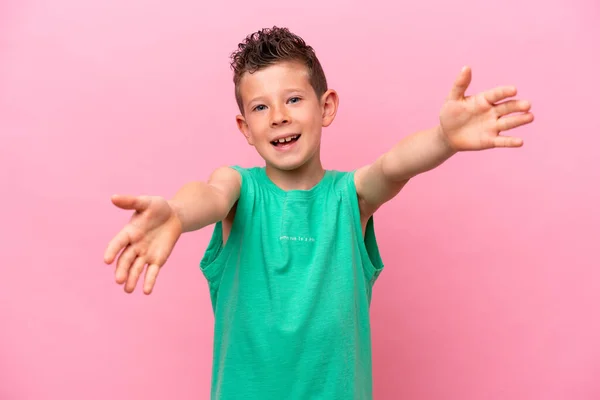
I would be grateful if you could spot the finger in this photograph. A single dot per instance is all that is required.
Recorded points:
(461, 84)
(134, 274)
(507, 141)
(500, 93)
(138, 203)
(512, 106)
(117, 244)
(150, 279)
(514, 121)
(124, 262)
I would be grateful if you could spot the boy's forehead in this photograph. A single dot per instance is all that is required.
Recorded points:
(277, 77)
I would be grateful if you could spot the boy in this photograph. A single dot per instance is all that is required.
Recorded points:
(293, 256)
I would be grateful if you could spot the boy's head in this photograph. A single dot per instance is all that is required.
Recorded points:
(282, 94)
(271, 46)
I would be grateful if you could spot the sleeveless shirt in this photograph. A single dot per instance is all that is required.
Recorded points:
(290, 291)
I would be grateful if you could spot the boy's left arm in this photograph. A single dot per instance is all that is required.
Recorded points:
(466, 124)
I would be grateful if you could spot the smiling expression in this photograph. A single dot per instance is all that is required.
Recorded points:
(283, 117)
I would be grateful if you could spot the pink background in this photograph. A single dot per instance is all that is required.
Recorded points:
(491, 288)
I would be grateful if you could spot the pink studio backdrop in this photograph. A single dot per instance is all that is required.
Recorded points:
(492, 286)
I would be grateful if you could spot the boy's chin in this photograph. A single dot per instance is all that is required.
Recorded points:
(286, 162)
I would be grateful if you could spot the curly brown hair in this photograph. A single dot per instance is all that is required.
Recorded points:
(270, 46)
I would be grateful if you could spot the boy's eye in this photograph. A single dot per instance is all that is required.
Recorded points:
(294, 99)
(259, 107)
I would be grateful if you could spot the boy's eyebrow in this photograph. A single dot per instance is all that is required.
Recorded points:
(259, 98)
(295, 90)
(262, 98)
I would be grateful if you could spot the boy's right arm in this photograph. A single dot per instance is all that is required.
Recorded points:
(199, 204)
(156, 225)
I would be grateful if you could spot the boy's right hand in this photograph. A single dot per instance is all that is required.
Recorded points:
(147, 239)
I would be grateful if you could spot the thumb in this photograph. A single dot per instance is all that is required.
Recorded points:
(138, 203)
(461, 84)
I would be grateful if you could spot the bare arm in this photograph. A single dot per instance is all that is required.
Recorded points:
(379, 182)
(199, 204)
(466, 124)
(157, 224)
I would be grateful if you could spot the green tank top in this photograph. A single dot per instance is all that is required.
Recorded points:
(290, 291)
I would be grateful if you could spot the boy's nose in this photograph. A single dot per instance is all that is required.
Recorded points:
(279, 118)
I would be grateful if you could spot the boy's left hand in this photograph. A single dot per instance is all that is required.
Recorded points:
(475, 122)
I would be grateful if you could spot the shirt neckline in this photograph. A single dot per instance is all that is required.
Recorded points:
(298, 193)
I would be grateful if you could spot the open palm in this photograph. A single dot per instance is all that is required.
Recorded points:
(147, 240)
(475, 122)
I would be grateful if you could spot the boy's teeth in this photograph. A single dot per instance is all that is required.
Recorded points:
(287, 139)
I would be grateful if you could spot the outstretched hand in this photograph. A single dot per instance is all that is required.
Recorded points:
(147, 240)
(475, 122)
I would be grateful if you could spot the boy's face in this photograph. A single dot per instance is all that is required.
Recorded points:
(283, 117)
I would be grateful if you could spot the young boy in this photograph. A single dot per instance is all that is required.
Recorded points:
(293, 256)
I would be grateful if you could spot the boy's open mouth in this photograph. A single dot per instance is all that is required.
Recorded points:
(285, 140)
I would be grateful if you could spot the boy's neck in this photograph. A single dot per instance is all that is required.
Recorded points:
(303, 178)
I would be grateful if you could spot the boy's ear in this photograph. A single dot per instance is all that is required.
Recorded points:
(243, 127)
(329, 106)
